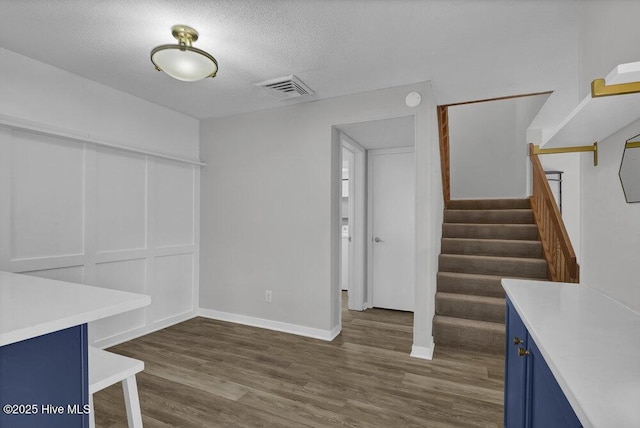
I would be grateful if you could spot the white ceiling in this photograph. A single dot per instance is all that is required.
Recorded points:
(469, 49)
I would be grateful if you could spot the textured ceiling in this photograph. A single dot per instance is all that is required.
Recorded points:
(469, 49)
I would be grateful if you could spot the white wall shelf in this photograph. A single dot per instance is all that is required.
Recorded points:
(595, 119)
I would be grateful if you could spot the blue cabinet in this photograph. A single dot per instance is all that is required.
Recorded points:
(515, 370)
(532, 396)
(44, 381)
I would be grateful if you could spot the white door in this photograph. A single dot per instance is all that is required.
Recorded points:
(392, 197)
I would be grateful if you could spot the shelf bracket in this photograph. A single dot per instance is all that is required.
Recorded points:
(600, 89)
(632, 145)
(593, 148)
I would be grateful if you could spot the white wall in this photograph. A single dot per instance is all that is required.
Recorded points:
(488, 147)
(38, 92)
(610, 226)
(271, 194)
(610, 37)
(79, 212)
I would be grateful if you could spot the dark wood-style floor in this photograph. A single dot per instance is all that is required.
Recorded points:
(205, 373)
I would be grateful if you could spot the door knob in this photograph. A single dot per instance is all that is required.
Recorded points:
(376, 239)
(517, 341)
(523, 353)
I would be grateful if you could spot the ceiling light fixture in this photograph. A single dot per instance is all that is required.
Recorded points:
(183, 61)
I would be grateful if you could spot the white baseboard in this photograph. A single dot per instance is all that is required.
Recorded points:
(424, 352)
(117, 339)
(316, 333)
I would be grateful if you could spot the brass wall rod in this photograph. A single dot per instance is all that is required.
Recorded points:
(633, 145)
(600, 89)
(593, 148)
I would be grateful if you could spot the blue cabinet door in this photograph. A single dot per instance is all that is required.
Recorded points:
(548, 406)
(532, 396)
(44, 381)
(515, 377)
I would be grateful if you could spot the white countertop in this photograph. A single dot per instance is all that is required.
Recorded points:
(32, 306)
(591, 344)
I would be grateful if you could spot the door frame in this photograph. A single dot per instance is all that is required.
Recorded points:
(357, 223)
(370, 170)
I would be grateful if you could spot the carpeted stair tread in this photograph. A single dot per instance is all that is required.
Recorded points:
(466, 297)
(481, 308)
(476, 335)
(492, 247)
(472, 283)
(484, 325)
(488, 204)
(526, 232)
(506, 216)
(490, 265)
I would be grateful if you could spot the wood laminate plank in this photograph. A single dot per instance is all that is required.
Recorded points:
(455, 388)
(208, 373)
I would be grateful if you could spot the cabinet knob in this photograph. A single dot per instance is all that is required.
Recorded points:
(523, 352)
(517, 341)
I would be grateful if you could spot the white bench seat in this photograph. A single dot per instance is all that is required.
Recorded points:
(106, 369)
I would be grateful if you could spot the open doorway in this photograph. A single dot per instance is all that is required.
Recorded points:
(353, 223)
(377, 213)
(488, 148)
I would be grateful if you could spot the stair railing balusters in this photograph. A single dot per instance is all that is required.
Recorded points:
(559, 253)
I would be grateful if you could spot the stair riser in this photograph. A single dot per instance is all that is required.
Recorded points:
(489, 204)
(526, 268)
(470, 310)
(469, 339)
(529, 249)
(489, 217)
(474, 286)
(473, 231)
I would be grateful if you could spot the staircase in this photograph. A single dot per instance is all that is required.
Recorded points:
(482, 242)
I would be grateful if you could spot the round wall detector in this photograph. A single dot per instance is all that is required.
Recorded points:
(413, 99)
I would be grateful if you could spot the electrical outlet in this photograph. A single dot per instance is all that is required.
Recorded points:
(268, 294)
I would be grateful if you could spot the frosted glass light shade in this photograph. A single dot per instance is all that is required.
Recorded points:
(184, 63)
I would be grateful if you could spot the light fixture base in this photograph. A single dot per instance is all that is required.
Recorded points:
(184, 34)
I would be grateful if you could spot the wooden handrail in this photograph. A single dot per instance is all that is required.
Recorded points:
(443, 128)
(558, 251)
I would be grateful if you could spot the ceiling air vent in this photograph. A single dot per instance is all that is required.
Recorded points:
(284, 88)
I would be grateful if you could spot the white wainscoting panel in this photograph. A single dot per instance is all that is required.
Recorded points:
(173, 280)
(174, 203)
(122, 217)
(126, 275)
(6, 143)
(73, 211)
(69, 274)
(47, 215)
